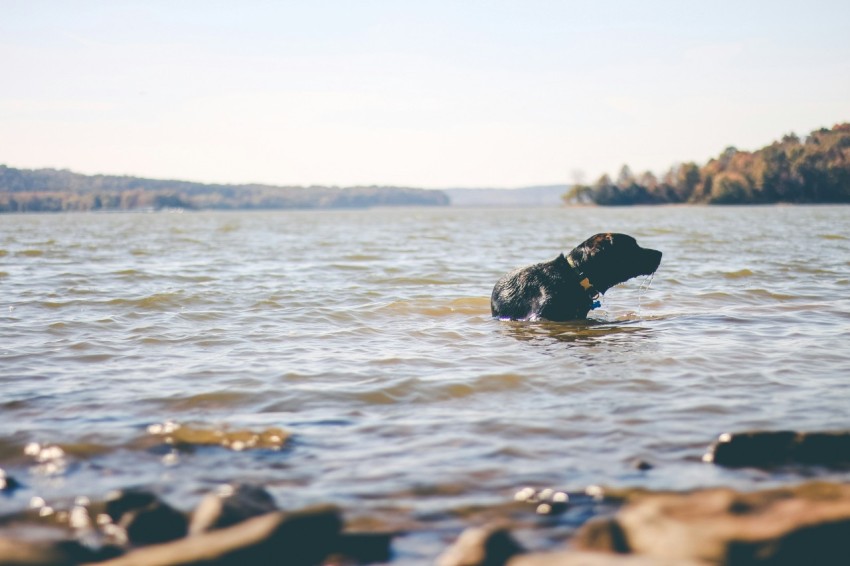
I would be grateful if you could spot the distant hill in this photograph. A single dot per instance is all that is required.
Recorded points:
(52, 190)
(544, 195)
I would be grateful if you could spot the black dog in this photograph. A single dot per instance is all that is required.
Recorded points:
(567, 288)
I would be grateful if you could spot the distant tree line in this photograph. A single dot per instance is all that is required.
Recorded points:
(51, 190)
(814, 170)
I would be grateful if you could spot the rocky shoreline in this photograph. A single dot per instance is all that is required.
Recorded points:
(242, 524)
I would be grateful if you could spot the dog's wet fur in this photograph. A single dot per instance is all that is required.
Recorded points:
(553, 290)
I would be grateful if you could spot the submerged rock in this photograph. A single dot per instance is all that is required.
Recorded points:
(767, 449)
(186, 436)
(642, 465)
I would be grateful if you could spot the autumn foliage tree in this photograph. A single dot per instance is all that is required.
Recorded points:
(814, 170)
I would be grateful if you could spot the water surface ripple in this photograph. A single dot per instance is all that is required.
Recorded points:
(367, 336)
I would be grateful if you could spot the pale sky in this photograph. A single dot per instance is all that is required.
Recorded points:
(425, 93)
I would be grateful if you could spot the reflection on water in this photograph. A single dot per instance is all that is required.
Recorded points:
(589, 333)
(366, 338)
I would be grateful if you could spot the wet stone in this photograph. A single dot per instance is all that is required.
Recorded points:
(231, 504)
(766, 449)
(8, 484)
(145, 518)
(18, 552)
(805, 524)
(365, 548)
(305, 538)
(484, 546)
(120, 502)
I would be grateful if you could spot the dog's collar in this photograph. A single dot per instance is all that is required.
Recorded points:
(585, 283)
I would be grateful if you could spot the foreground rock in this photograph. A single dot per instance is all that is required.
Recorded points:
(807, 524)
(494, 546)
(237, 525)
(241, 526)
(489, 546)
(144, 518)
(304, 538)
(25, 553)
(229, 505)
(766, 449)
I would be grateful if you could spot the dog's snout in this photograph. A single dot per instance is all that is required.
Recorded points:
(654, 259)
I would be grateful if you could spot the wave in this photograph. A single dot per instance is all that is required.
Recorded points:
(157, 301)
(31, 253)
(740, 274)
(441, 308)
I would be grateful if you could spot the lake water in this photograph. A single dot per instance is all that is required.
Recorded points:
(367, 336)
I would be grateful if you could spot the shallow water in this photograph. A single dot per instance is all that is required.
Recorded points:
(367, 336)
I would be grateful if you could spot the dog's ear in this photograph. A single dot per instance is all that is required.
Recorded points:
(592, 246)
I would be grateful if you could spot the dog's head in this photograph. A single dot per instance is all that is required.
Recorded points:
(609, 259)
